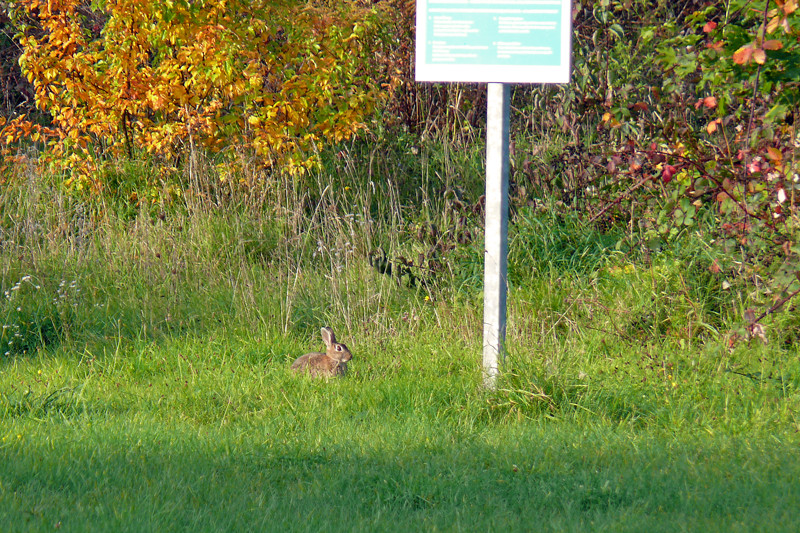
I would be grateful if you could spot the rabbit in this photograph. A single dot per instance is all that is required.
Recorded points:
(331, 363)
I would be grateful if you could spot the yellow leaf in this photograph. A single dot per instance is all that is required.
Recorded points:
(773, 24)
(773, 45)
(774, 154)
(759, 56)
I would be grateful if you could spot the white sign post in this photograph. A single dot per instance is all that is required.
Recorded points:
(495, 257)
(500, 42)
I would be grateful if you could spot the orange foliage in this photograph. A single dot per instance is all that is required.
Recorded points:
(165, 78)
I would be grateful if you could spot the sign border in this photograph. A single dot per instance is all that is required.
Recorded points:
(490, 73)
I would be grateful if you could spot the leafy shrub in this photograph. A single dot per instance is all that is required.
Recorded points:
(276, 79)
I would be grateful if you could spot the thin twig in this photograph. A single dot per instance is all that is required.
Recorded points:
(621, 197)
(775, 307)
(753, 107)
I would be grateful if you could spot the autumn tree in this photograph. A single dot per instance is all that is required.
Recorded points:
(122, 78)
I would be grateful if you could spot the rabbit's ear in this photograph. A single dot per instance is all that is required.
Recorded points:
(327, 336)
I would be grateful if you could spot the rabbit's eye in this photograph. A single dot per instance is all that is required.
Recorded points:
(338, 348)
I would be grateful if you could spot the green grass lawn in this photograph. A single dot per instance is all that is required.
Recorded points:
(215, 433)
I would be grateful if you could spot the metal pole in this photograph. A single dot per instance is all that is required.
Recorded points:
(495, 282)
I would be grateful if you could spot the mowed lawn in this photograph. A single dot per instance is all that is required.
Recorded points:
(214, 433)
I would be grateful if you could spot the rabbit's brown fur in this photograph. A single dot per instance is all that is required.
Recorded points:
(331, 363)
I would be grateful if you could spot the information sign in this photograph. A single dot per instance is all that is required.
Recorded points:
(505, 41)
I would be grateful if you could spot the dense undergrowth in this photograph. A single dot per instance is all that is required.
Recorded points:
(344, 245)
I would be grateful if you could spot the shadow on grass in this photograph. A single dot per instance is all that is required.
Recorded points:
(136, 476)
